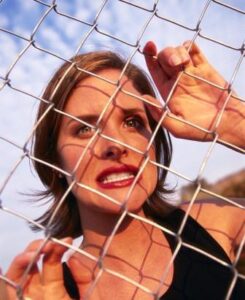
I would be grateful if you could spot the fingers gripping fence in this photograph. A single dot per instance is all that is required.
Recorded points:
(97, 31)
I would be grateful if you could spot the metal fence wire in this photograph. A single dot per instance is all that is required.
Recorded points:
(97, 28)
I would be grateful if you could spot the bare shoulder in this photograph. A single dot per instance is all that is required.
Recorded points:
(207, 208)
(224, 221)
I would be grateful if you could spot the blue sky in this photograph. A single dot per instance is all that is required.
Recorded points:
(62, 36)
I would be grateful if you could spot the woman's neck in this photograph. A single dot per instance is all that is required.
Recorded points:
(137, 250)
(100, 234)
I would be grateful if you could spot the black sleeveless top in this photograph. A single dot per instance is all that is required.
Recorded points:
(196, 276)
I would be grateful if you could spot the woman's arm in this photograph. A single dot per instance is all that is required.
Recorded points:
(194, 100)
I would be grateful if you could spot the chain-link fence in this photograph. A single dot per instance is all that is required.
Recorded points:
(33, 47)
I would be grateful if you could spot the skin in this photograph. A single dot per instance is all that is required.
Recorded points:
(125, 120)
(193, 96)
(225, 223)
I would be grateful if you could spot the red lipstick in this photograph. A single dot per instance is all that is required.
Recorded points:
(117, 177)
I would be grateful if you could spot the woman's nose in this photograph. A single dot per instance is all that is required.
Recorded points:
(109, 143)
(108, 149)
(113, 152)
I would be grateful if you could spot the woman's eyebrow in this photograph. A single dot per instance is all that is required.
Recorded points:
(90, 119)
(131, 111)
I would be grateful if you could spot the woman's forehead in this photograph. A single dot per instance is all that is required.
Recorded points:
(107, 82)
(93, 93)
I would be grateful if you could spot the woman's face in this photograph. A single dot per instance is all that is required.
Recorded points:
(106, 166)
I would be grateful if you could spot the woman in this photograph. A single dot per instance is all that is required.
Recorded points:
(102, 171)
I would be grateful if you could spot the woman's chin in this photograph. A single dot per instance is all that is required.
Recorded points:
(114, 200)
(115, 206)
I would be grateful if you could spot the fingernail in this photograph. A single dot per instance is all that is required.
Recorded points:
(149, 49)
(175, 60)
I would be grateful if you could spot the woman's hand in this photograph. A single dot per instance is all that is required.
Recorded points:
(45, 285)
(192, 99)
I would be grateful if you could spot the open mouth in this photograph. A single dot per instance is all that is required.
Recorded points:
(117, 176)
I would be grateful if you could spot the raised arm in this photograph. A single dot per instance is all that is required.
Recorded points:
(192, 99)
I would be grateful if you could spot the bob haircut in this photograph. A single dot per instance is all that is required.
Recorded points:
(67, 221)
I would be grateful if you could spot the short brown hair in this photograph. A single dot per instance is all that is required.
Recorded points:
(67, 221)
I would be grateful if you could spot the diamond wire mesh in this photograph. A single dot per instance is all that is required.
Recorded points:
(93, 26)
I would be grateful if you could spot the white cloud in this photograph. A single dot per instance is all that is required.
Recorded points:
(4, 21)
(8, 51)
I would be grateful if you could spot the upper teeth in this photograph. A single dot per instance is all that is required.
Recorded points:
(117, 177)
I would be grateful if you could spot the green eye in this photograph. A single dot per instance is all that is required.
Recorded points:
(134, 122)
(84, 130)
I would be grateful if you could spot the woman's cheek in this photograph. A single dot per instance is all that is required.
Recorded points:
(73, 161)
(153, 173)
